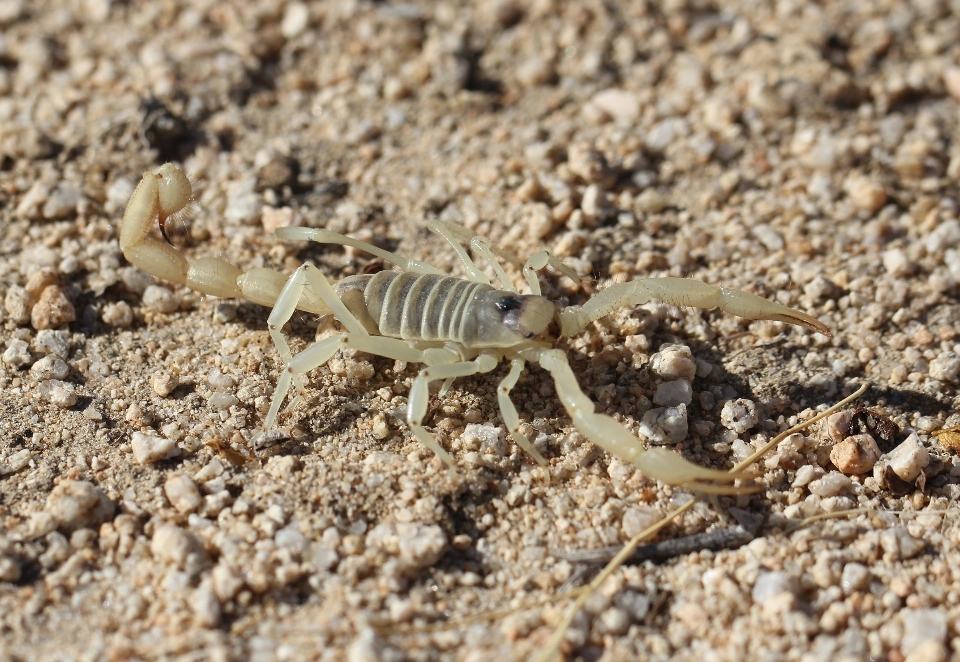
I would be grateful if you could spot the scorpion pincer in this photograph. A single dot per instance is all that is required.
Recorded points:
(454, 326)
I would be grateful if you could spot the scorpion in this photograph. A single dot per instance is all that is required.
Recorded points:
(417, 313)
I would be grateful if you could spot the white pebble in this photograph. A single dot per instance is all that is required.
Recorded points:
(205, 605)
(219, 381)
(620, 105)
(898, 544)
(161, 299)
(664, 133)
(831, 484)
(909, 458)
(638, 518)
(182, 493)
(174, 546)
(671, 394)
(296, 18)
(18, 303)
(76, 504)
(62, 202)
(491, 439)
(769, 585)
(367, 647)
(420, 546)
(210, 470)
(896, 262)
(52, 341)
(164, 383)
(855, 577)
(17, 353)
(946, 367)
(50, 367)
(674, 362)
(118, 315)
(921, 626)
(739, 415)
(226, 582)
(222, 400)
(806, 475)
(16, 462)
(148, 448)
(58, 393)
(665, 425)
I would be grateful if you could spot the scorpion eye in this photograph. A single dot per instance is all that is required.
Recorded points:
(506, 304)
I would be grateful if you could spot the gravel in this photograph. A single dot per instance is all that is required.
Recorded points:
(803, 151)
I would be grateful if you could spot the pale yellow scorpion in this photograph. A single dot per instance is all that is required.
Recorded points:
(455, 326)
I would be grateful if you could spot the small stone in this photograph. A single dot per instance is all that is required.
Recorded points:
(148, 448)
(205, 605)
(830, 484)
(174, 546)
(182, 493)
(855, 455)
(367, 647)
(17, 354)
(220, 381)
(209, 471)
(222, 401)
(770, 585)
(674, 362)
(18, 303)
(52, 310)
(41, 279)
(50, 367)
(274, 218)
(665, 425)
(380, 428)
(226, 582)
(296, 18)
(921, 626)
(52, 341)
(671, 394)
(946, 367)
(164, 383)
(855, 577)
(594, 203)
(739, 415)
(665, 133)
(806, 475)
(420, 546)
(58, 393)
(76, 504)
(9, 569)
(536, 71)
(619, 105)
(490, 439)
(117, 314)
(908, 459)
(865, 193)
(637, 519)
(898, 544)
(161, 299)
(838, 425)
(951, 81)
(62, 202)
(896, 262)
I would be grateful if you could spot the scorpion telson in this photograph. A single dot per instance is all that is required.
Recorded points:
(454, 326)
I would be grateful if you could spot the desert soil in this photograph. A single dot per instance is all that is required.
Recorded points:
(802, 151)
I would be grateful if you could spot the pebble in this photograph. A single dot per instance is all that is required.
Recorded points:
(951, 81)
(865, 193)
(222, 401)
(18, 303)
(367, 647)
(770, 585)
(636, 519)
(205, 605)
(161, 299)
(855, 577)
(896, 262)
(855, 455)
(175, 546)
(76, 504)
(52, 341)
(665, 425)
(620, 105)
(420, 546)
(62, 202)
(922, 625)
(41, 279)
(490, 439)
(182, 492)
(898, 544)
(837, 425)
(58, 393)
(831, 484)
(52, 310)
(9, 569)
(806, 474)
(296, 18)
(164, 383)
(946, 367)
(148, 448)
(671, 394)
(117, 314)
(17, 354)
(50, 367)
(674, 362)
(739, 415)
(908, 459)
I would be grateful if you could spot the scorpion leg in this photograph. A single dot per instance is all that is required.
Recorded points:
(473, 272)
(657, 463)
(420, 395)
(683, 292)
(509, 410)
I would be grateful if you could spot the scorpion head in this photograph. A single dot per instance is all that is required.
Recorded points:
(505, 319)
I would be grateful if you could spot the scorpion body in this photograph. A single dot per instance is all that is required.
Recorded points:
(456, 327)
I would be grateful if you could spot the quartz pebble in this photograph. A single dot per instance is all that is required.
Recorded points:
(770, 585)
(921, 626)
(855, 577)
(164, 383)
(17, 354)
(908, 459)
(665, 425)
(946, 367)
(856, 454)
(674, 362)
(148, 448)
(739, 415)
(50, 367)
(671, 394)
(58, 393)
(18, 303)
(830, 484)
(898, 544)
(491, 439)
(76, 504)
(177, 547)
(161, 299)
(118, 315)
(182, 493)
(52, 341)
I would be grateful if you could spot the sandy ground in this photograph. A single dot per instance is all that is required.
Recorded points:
(801, 151)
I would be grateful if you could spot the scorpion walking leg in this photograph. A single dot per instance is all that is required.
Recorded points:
(683, 292)
(420, 395)
(509, 411)
(657, 463)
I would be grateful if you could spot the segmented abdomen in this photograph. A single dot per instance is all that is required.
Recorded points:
(415, 306)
